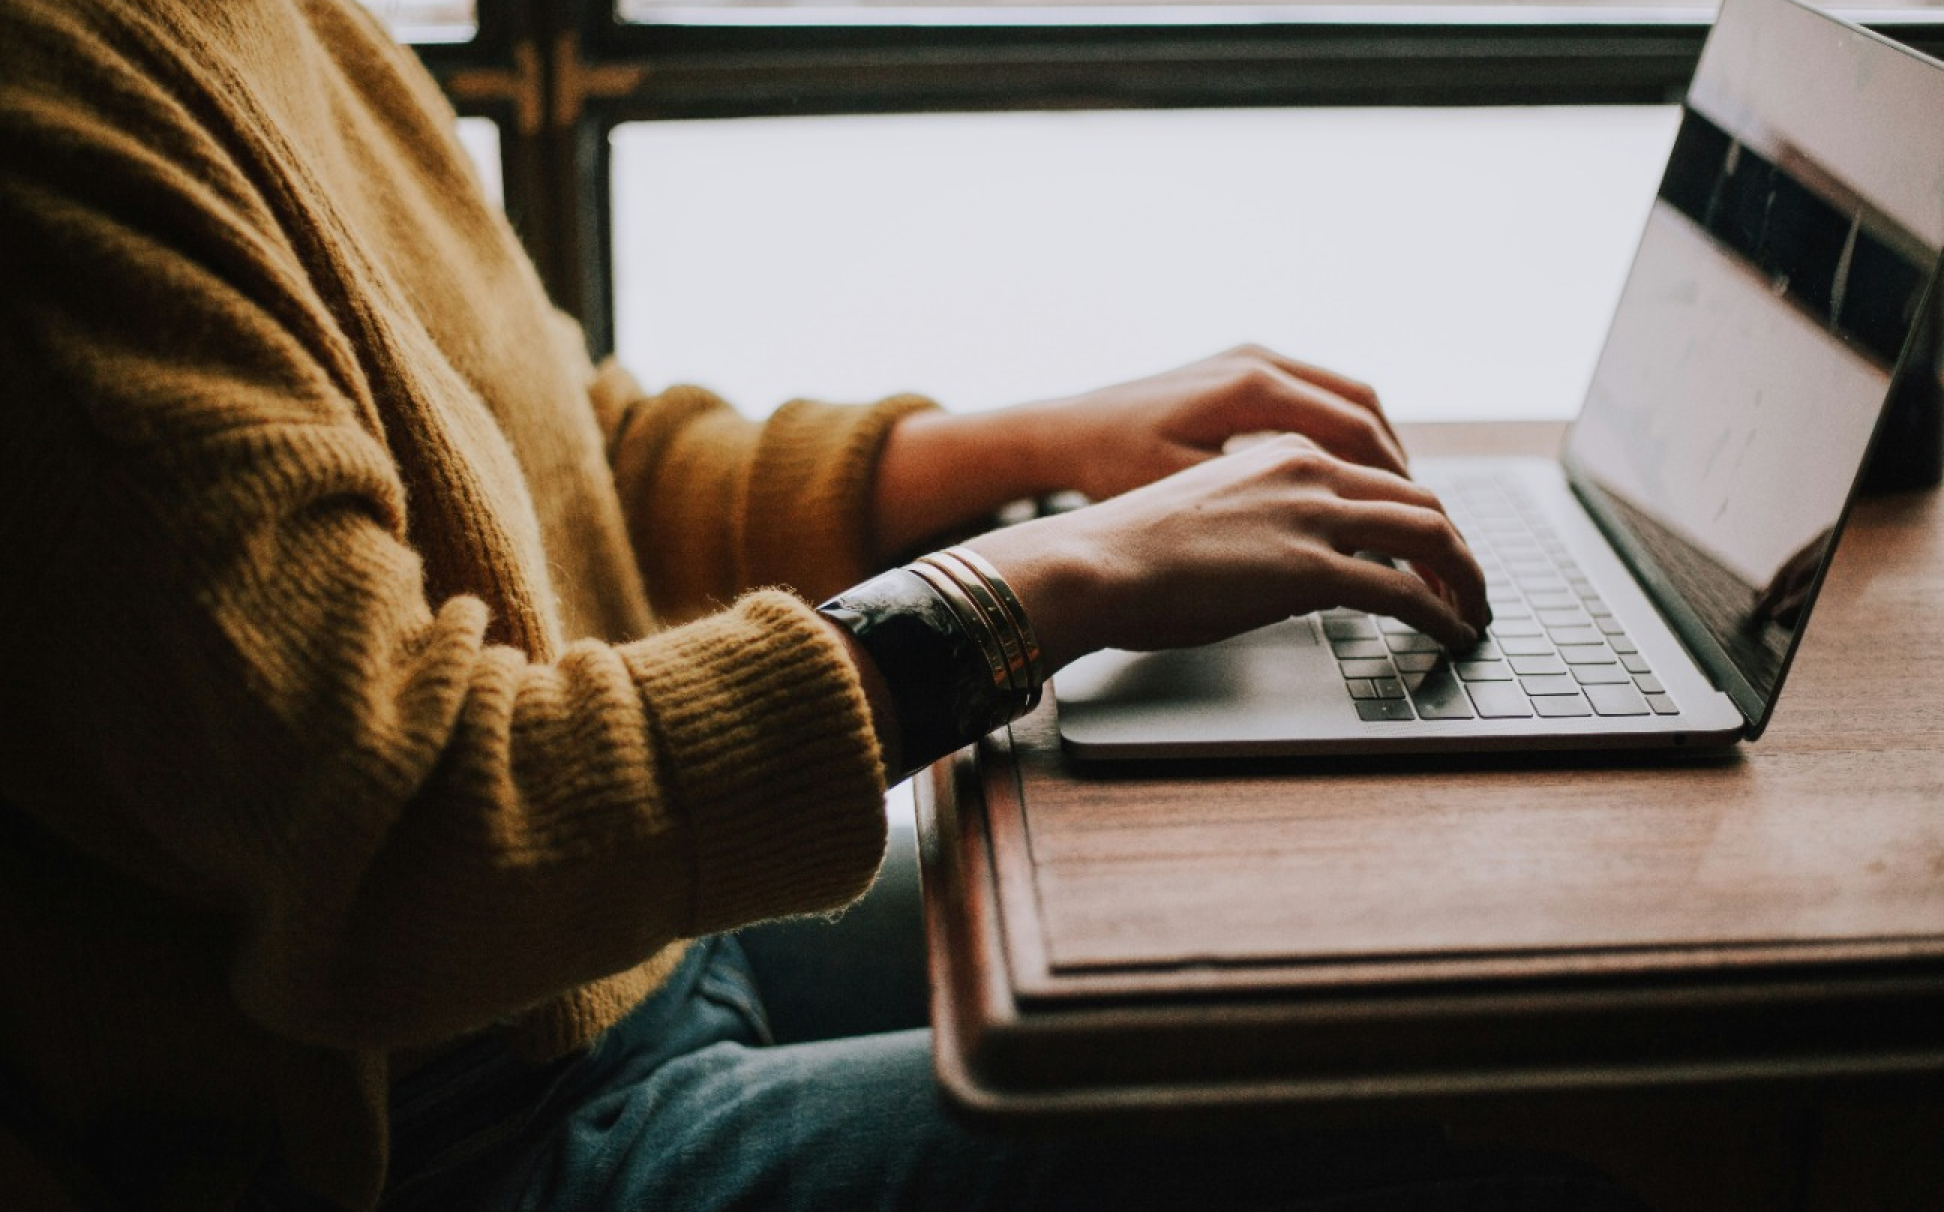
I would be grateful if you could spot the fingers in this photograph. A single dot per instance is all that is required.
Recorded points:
(1381, 589)
(1374, 510)
(1243, 539)
(1426, 539)
(1276, 399)
(1357, 394)
(1343, 385)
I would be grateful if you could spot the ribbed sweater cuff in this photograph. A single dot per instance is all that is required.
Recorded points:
(766, 736)
(810, 492)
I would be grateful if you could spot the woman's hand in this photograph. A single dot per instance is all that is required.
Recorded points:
(943, 471)
(1195, 536)
(1238, 542)
(1121, 437)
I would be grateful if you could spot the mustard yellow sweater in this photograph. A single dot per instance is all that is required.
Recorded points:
(335, 719)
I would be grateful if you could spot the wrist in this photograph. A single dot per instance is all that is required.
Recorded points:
(944, 472)
(1061, 582)
(952, 651)
(1046, 445)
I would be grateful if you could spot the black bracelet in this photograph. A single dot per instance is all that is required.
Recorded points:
(936, 670)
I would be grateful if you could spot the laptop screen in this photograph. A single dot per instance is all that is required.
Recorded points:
(1781, 283)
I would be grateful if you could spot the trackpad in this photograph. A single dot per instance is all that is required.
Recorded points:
(1213, 673)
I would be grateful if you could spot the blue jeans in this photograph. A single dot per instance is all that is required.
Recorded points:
(690, 1103)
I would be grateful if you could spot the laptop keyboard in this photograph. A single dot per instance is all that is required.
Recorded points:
(1554, 650)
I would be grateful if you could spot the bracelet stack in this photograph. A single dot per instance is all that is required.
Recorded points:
(953, 644)
(986, 605)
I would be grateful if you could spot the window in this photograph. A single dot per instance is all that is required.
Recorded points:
(1463, 259)
(1186, 12)
(584, 98)
(427, 22)
(481, 137)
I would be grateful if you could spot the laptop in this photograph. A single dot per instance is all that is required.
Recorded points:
(1651, 584)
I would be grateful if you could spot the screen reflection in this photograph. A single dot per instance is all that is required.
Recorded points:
(1785, 265)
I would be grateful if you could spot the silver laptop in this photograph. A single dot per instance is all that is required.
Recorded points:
(1650, 586)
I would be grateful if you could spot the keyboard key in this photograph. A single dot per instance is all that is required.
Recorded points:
(1439, 696)
(1586, 654)
(1499, 700)
(1616, 700)
(1577, 635)
(1528, 666)
(1507, 627)
(1662, 704)
(1551, 685)
(1395, 627)
(1359, 650)
(1361, 688)
(1525, 645)
(1543, 580)
(1602, 675)
(1555, 646)
(1562, 708)
(1379, 710)
(1365, 669)
(1388, 688)
(1412, 641)
(1358, 628)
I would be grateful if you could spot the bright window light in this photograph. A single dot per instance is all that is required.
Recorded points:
(1462, 260)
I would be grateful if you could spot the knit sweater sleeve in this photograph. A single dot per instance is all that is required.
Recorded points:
(230, 680)
(718, 503)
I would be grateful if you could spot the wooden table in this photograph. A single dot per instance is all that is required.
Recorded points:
(1339, 937)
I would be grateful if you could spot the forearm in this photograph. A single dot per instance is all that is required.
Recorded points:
(944, 472)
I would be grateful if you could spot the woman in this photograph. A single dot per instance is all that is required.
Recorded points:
(395, 697)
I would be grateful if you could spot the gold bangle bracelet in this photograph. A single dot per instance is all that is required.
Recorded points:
(999, 624)
(972, 619)
(942, 695)
(1036, 662)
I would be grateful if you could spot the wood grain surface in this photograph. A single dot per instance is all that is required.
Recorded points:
(1151, 939)
(1828, 831)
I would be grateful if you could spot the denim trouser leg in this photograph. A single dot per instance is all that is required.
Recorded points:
(690, 1105)
(859, 974)
(684, 1106)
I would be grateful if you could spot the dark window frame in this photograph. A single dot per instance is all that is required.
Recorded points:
(559, 75)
